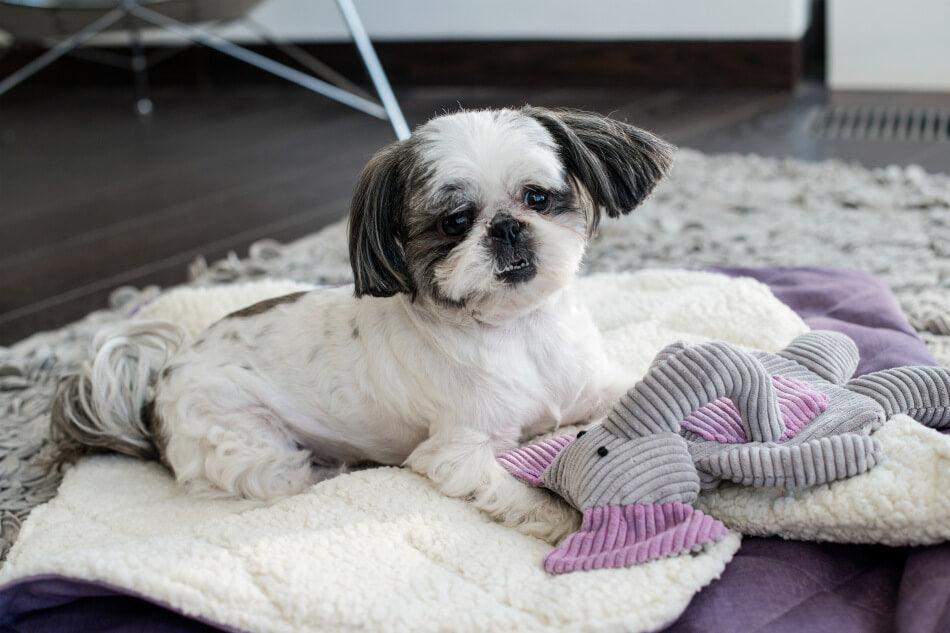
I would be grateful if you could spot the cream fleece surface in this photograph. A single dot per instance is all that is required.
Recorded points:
(381, 549)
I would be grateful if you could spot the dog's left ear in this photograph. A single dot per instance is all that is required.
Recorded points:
(618, 164)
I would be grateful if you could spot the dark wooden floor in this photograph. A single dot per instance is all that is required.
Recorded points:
(92, 197)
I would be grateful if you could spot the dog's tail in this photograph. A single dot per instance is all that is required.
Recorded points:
(106, 405)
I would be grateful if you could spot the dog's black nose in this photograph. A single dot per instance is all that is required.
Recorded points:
(505, 228)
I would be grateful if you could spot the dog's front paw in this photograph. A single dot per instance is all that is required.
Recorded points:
(550, 521)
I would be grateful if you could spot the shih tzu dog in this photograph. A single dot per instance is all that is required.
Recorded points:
(461, 337)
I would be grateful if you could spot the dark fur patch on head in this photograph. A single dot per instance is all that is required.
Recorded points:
(426, 245)
(426, 248)
(232, 336)
(263, 306)
(392, 249)
(376, 237)
(617, 164)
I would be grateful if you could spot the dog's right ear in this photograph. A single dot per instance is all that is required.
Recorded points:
(376, 226)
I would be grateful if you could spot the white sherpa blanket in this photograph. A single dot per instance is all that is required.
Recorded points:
(381, 550)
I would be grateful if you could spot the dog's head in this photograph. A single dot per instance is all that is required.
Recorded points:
(490, 211)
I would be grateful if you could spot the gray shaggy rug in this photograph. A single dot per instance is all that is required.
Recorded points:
(730, 210)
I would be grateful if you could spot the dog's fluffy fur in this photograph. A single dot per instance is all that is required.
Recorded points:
(461, 338)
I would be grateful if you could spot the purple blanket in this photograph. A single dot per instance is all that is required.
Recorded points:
(770, 586)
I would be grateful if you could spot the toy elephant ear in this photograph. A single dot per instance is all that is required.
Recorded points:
(831, 355)
(528, 463)
(620, 536)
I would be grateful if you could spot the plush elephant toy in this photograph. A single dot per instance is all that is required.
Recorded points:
(712, 413)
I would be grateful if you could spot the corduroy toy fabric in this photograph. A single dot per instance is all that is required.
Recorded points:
(712, 413)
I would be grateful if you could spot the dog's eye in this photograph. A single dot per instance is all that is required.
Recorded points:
(456, 224)
(536, 199)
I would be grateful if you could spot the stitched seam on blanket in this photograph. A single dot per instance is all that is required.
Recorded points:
(457, 574)
(820, 591)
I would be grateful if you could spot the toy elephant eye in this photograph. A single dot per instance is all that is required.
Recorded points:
(602, 451)
(579, 433)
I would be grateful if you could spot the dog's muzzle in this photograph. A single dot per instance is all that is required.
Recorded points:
(511, 246)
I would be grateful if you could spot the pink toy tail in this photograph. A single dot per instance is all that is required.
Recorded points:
(621, 536)
(528, 463)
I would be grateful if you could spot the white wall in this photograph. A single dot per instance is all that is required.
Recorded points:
(544, 19)
(318, 20)
(889, 44)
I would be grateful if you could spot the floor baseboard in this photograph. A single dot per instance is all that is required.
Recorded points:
(684, 64)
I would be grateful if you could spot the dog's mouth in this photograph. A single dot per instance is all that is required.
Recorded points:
(517, 271)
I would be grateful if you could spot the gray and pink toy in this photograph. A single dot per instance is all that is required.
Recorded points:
(713, 413)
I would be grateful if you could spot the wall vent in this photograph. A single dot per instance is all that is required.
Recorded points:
(881, 123)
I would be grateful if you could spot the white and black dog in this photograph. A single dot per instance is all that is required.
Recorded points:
(462, 336)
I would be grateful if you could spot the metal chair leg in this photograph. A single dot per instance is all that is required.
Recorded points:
(303, 58)
(201, 36)
(143, 97)
(70, 43)
(389, 110)
(374, 68)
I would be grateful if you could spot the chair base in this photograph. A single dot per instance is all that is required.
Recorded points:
(136, 13)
